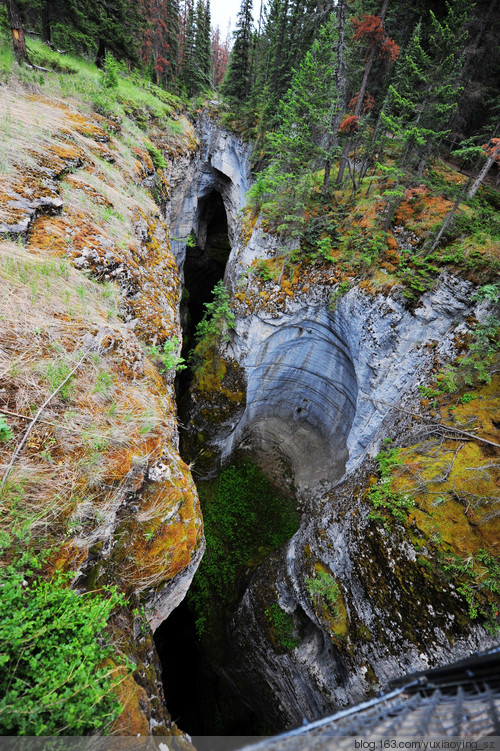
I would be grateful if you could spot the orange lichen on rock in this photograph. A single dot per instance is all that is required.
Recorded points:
(456, 489)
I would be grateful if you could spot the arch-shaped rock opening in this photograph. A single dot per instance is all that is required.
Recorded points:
(301, 400)
(206, 254)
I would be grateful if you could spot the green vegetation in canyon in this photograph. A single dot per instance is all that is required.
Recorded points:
(245, 518)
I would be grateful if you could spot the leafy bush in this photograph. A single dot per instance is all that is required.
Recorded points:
(157, 157)
(55, 675)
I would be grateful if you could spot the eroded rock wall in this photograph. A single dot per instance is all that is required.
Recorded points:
(329, 376)
(87, 270)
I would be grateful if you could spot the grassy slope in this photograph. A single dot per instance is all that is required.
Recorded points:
(67, 291)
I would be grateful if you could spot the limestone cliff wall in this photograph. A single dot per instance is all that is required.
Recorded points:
(327, 377)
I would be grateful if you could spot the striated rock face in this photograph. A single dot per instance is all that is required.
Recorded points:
(323, 389)
(222, 165)
(301, 398)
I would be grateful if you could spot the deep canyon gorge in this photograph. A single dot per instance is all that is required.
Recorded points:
(316, 376)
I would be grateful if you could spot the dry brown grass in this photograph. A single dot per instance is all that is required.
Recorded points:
(97, 431)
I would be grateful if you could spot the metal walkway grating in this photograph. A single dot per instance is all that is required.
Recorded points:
(459, 700)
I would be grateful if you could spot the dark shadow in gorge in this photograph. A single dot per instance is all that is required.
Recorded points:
(246, 518)
(205, 262)
(198, 699)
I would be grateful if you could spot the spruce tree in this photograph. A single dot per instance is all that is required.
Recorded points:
(301, 143)
(202, 47)
(236, 84)
(426, 90)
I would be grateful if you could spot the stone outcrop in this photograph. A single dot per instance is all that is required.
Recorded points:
(119, 503)
(329, 376)
(221, 165)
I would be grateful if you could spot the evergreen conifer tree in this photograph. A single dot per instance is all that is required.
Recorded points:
(426, 90)
(236, 84)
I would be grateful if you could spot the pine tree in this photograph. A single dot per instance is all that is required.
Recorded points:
(425, 92)
(236, 84)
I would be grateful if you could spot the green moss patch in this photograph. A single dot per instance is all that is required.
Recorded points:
(245, 518)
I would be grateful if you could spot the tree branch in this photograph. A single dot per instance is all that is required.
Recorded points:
(435, 425)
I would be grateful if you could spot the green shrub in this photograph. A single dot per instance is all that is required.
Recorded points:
(167, 356)
(382, 496)
(324, 586)
(109, 75)
(283, 627)
(480, 588)
(55, 677)
(157, 157)
(5, 430)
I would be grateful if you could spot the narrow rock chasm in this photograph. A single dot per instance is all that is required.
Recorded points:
(300, 403)
(207, 253)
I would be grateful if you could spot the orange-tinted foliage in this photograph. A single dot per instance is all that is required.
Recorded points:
(368, 27)
(349, 124)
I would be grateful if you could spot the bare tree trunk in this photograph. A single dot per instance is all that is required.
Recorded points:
(360, 98)
(479, 179)
(340, 86)
(46, 22)
(18, 40)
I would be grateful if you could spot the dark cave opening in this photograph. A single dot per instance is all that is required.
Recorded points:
(207, 253)
(200, 702)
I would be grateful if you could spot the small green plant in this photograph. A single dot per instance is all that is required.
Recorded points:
(381, 495)
(478, 587)
(56, 373)
(341, 290)
(466, 398)
(324, 248)
(56, 677)
(104, 382)
(156, 156)
(283, 627)
(263, 270)
(5, 430)
(324, 586)
(168, 356)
